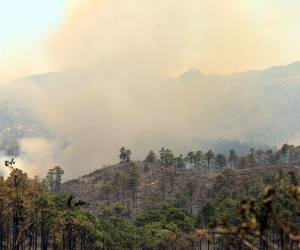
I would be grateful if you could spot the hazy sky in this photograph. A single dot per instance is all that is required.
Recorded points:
(23, 28)
(25, 21)
(220, 36)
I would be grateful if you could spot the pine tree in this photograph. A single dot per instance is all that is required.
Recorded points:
(209, 156)
(269, 157)
(198, 157)
(150, 158)
(190, 189)
(221, 161)
(190, 158)
(179, 162)
(124, 155)
(233, 158)
(49, 180)
(166, 157)
(58, 173)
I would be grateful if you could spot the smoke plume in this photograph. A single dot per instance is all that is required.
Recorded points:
(113, 87)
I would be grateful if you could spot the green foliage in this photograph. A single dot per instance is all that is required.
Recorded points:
(270, 219)
(124, 155)
(288, 154)
(226, 211)
(40, 218)
(171, 212)
(181, 200)
(233, 158)
(166, 157)
(154, 236)
(150, 158)
(209, 157)
(179, 162)
(53, 179)
(221, 161)
(177, 219)
(158, 227)
(206, 216)
(118, 231)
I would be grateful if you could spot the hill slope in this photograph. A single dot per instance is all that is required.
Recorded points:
(190, 189)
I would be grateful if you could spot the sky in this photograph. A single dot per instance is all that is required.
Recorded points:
(23, 27)
(219, 36)
(25, 21)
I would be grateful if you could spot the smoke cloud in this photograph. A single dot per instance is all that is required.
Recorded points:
(215, 36)
(114, 89)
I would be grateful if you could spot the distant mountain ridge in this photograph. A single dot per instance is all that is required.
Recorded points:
(264, 103)
(292, 68)
(259, 106)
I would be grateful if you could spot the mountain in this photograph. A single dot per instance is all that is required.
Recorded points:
(261, 106)
(281, 74)
(19, 117)
(191, 74)
(193, 111)
(16, 122)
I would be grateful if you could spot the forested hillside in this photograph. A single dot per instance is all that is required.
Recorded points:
(185, 180)
(155, 204)
(197, 201)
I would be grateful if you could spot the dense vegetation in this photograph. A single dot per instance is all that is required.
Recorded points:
(33, 217)
(286, 155)
(237, 211)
